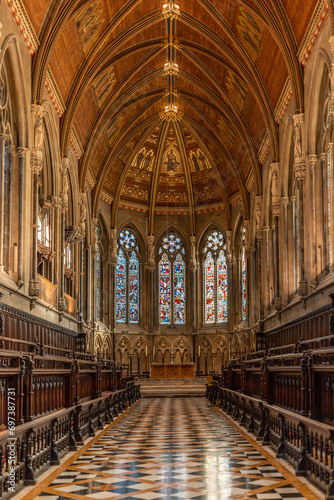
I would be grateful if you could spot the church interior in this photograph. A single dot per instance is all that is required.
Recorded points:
(166, 249)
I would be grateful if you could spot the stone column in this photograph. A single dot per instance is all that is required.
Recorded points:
(324, 254)
(285, 248)
(312, 161)
(112, 270)
(36, 162)
(62, 303)
(259, 237)
(276, 211)
(151, 268)
(193, 294)
(300, 174)
(229, 262)
(88, 250)
(7, 198)
(22, 153)
(3, 138)
(95, 249)
(36, 167)
(295, 241)
(266, 231)
(330, 151)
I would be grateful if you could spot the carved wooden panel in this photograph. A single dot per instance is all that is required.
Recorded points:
(172, 371)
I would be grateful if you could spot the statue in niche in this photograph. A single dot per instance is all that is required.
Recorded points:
(298, 141)
(39, 133)
(274, 184)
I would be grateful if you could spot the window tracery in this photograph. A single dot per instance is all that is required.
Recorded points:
(99, 275)
(127, 279)
(172, 281)
(215, 279)
(243, 275)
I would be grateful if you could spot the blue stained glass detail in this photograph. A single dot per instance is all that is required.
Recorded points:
(243, 286)
(179, 291)
(127, 239)
(121, 287)
(172, 244)
(133, 288)
(221, 287)
(164, 290)
(209, 280)
(98, 285)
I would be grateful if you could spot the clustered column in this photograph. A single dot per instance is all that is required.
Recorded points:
(300, 174)
(36, 162)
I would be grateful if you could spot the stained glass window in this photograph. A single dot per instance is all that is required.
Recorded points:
(121, 287)
(243, 277)
(210, 296)
(127, 279)
(164, 290)
(215, 279)
(172, 281)
(98, 284)
(221, 287)
(133, 288)
(179, 290)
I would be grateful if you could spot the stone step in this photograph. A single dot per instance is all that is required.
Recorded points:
(172, 388)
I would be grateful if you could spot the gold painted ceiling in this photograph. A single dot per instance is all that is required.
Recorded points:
(170, 102)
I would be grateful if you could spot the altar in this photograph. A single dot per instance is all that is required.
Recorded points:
(172, 370)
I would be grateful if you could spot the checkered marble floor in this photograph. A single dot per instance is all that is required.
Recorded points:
(173, 448)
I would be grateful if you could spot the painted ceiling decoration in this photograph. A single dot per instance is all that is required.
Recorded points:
(170, 106)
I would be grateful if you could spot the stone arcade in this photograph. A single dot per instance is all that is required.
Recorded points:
(166, 211)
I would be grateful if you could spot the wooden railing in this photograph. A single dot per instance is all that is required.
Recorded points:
(43, 443)
(23, 332)
(306, 444)
(48, 291)
(43, 384)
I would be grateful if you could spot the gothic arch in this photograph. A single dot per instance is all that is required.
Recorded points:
(211, 226)
(130, 224)
(317, 93)
(10, 57)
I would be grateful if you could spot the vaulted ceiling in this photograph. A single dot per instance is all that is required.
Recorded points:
(170, 102)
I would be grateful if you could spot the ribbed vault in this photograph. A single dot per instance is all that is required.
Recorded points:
(196, 80)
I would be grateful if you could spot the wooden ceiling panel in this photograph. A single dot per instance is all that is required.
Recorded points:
(66, 59)
(299, 17)
(224, 78)
(272, 67)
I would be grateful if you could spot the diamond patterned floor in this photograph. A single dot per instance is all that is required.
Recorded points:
(171, 448)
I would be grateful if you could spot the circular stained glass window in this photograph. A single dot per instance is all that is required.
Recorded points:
(127, 239)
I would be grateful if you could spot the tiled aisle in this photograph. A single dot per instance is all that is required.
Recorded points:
(170, 448)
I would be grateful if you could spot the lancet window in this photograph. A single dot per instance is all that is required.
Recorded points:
(127, 278)
(243, 276)
(172, 281)
(99, 275)
(215, 279)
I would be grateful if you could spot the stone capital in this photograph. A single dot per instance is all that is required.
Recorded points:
(259, 233)
(300, 170)
(276, 208)
(22, 152)
(285, 201)
(3, 137)
(312, 159)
